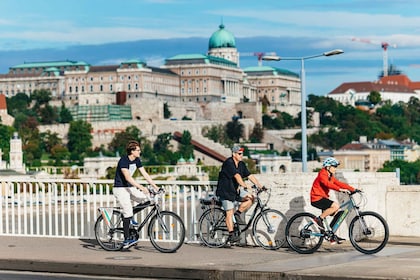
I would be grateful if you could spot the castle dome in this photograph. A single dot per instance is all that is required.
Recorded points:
(222, 39)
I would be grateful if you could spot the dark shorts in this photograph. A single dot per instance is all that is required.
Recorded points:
(323, 203)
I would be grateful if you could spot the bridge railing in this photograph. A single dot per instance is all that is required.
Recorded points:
(68, 208)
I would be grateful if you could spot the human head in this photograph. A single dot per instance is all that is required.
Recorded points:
(237, 149)
(330, 161)
(131, 146)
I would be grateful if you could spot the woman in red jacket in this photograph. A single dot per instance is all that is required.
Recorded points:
(320, 192)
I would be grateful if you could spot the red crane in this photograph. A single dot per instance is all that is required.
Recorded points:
(384, 46)
(258, 54)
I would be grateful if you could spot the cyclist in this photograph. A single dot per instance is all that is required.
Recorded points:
(127, 189)
(320, 193)
(231, 187)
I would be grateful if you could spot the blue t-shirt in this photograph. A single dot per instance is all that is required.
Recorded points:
(131, 165)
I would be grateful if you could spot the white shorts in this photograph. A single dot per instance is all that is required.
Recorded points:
(124, 196)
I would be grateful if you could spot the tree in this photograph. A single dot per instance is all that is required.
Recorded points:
(65, 115)
(166, 113)
(120, 140)
(59, 153)
(50, 139)
(374, 97)
(234, 130)
(79, 139)
(186, 149)
(257, 134)
(6, 133)
(18, 103)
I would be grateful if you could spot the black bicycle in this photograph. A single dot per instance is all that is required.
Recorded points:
(165, 229)
(368, 231)
(268, 225)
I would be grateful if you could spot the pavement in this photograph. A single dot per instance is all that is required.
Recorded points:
(400, 259)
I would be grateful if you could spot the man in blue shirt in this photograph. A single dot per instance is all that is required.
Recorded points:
(126, 188)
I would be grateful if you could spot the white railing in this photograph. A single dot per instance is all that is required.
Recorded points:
(68, 208)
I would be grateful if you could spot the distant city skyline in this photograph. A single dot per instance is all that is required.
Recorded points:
(91, 30)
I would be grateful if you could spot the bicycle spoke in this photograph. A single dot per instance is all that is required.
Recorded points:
(302, 235)
(268, 229)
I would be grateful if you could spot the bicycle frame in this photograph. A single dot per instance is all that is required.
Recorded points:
(259, 207)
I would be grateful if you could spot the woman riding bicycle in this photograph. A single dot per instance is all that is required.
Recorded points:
(320, 193)
(231, 187)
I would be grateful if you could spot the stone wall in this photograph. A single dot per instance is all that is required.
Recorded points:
(397, 204)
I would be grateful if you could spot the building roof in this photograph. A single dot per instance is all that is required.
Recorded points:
(371, 86)
(3, 104)
(268, 70)
(198, 59)
(222, 38)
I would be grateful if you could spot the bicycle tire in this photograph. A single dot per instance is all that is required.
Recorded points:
(377, 236)
(166, 232)
(212, 228)
(110, 237)
(268, 229)
(302, 235)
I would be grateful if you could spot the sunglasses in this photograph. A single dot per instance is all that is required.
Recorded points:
(240, 154)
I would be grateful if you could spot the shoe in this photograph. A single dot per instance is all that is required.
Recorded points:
(318, 222)
(128, 243)
(336, 240)
(233, 238)
(239, 220)
(133, 222)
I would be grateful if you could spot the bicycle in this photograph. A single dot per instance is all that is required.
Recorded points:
(165, 229)
(267, 224)
(368, 231)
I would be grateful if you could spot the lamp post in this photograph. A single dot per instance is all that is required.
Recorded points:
(303, 96)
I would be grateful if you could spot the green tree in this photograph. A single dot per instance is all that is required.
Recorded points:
(234, 130)
(257, 134)
(48, 114)
(59, 153)
(186, 149)
(6, 133)
(79, 139)
(166, 113)
(120, 140)
(50, 139)
(18, 103)
(374, 97)
(65, 115)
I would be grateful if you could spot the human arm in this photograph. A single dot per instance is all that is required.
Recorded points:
(254, 180)
(131, 181)
(149, 179)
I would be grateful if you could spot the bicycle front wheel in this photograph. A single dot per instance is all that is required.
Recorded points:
(212, 228)
(269, 229)
(368, 232)
(110, 234)
(302, 235)
(166, 232)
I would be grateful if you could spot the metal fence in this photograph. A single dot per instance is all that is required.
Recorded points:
(68, 208)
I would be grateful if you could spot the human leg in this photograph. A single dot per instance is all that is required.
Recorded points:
(228, 206)
(122, 196)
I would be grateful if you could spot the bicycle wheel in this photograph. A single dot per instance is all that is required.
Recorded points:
(302, 235)
(212, 228)
(368, 232)
(268, 229)
(166, 232)
(110, 235)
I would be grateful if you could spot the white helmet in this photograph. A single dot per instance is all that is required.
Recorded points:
(330, 161)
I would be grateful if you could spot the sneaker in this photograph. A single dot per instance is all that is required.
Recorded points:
(318, 222)
(233, 238)
(128, 243)
(239, 220)
(133, 222)
(336, 240)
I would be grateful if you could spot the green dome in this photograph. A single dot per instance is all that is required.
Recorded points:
(222, 39)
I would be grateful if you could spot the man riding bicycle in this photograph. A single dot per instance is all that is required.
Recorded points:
(320, 193)
(231, 187)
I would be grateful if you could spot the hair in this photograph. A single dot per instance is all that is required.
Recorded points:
(131, 146)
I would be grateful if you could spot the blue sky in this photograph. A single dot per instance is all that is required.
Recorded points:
(306, 27)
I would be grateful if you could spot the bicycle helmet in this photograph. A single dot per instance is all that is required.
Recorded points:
(330, 161)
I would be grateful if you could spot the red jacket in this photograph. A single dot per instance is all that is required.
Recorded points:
(323, 183)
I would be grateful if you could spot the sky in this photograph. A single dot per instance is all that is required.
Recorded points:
(303, 28)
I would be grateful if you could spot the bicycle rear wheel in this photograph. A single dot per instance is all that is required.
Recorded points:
(212, 228)
(269, 229)
(368, 232)
(110, 236)
(302, 235)
(166, 232)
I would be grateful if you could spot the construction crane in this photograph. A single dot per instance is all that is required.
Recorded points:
(258, 54)
(384, 46)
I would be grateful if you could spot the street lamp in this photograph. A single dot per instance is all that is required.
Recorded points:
(303, 96)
